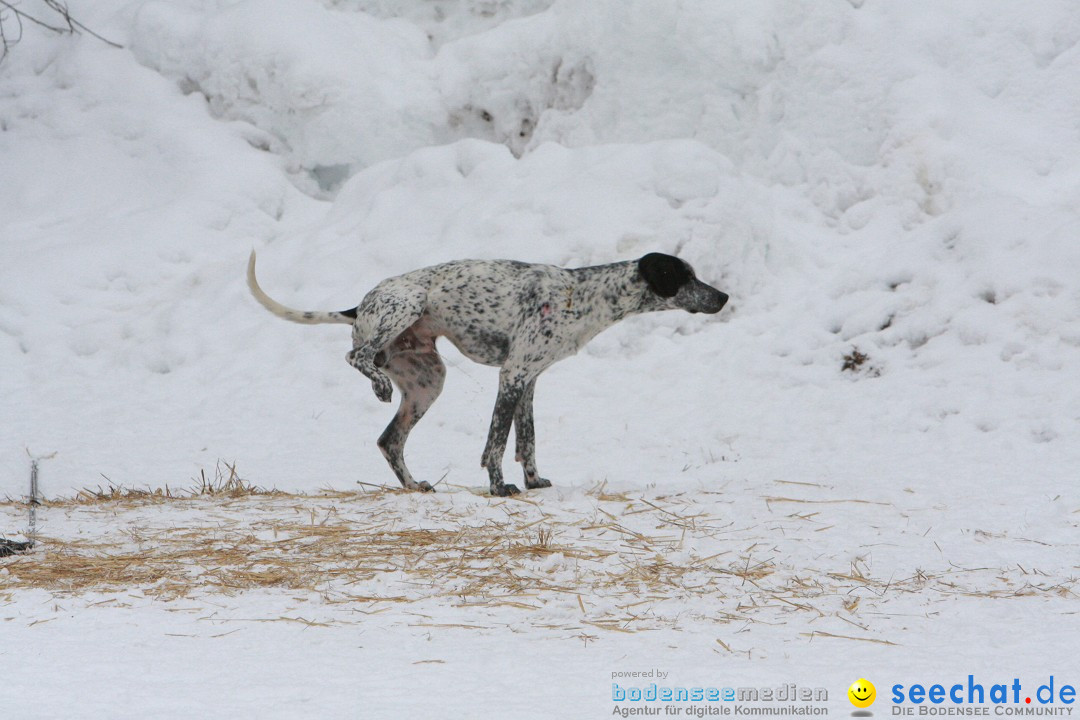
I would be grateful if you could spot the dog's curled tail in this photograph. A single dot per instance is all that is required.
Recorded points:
(298, 316)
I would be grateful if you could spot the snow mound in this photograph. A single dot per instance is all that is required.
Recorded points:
(863, 181)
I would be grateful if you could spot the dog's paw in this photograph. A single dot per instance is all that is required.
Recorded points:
(535, 483)
(425, 486)
(382, 387)
(505, 490)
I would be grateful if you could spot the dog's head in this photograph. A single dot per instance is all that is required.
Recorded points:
(675, 285)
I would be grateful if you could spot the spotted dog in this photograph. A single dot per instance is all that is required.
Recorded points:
(516, 316)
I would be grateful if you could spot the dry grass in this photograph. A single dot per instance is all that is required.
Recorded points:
(225, 482)
(625, 564)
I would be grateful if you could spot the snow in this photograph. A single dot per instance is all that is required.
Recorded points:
(896, 178)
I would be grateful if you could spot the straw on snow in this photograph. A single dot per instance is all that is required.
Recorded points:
(615, 572)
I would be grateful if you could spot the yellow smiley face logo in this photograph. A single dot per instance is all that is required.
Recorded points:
(862, 693)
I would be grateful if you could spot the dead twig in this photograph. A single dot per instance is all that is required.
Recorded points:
(60, 21)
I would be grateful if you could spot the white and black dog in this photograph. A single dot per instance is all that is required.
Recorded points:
(519, 317)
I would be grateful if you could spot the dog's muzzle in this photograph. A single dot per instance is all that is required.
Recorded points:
(701, 298)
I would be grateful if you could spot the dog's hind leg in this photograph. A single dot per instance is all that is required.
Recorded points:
(525, 435)
(381, 318)
(419, 377)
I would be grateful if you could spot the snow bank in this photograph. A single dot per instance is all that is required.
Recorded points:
(896, 179)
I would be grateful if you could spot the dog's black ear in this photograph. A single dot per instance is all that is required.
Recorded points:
(665, 274)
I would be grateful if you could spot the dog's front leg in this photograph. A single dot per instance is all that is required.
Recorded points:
(525, 431)
(512, 385)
